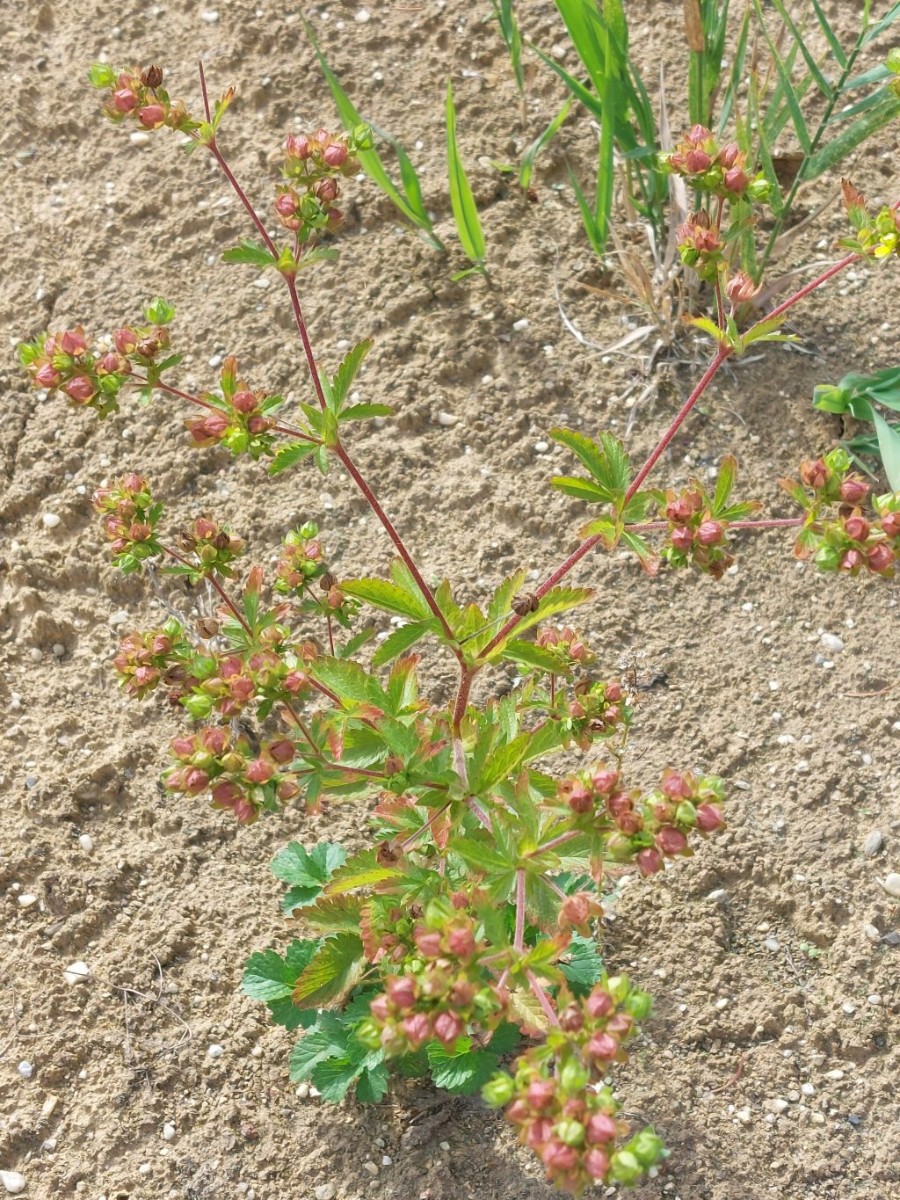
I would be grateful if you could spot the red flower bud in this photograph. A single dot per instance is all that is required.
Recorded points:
(79, 389)
(814, 474)
(125, 340)
(697, 160)
(601, 1128)
(857, 528)
(620, 1024)
(602, 1046)
(297, 146)
(259, 771)
(571, 1019)
(182, 747)
(401, 990)
(461, 943)
(326, 190)
(152, 116)
(448, 1027)
(676, 787)
(556, 1156)
(540, 1093)
(576, 909)
(736, 180)
(697, 134)
(682, 538)
(709, 533)
(245, 811)
(599, 1004)
(379, 1008)
(428, 942)
(671, 840)
(729, 155)
(73, 342)
(580, 799)
(679, 510)
(854, 491)
(649, 861)
(244, 402)
(47, 376)
(613, 692)
(890, 524)
(604, 780)
(226, 794)
(852, 560)
(709, 818)
(124, 100)
(282, 750)
(335, 155)
(596, 1163)
(539, 1132)
(417, 1028)
(880, 557)
(287, 790)
(195, 781)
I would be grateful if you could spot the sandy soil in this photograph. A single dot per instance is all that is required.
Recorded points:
(770, 1065)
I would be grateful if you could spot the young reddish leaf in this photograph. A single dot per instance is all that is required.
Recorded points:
(332, 973)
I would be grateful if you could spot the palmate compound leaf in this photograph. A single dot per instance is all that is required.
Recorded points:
(605, 460)
(307, 871)
(268, 976)
(460, 1069)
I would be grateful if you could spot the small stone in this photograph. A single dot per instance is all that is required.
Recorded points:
(722, 1003)
(324, 1191)
(144, 1169)
(854, 1119)
(874, 999)
(832, 643)
(780, 1105)
(362, 15)
(35, 654)
(772, 944)
(209, 16)
(891, 884)
(892, 938)
(86, 842)
(370, 1168)
(303, 1090)
(873, 843)
(386, 1160)
(50, 520)
(140, 137)
(214, 1051)
(444, 1145)
(26, 1069)
(13, 1182)
(541, 447)
(77, 972)
(848, 1008)
(58, 650)
(119, 617)
(872, 933)
(818, 1118)
(521, 324)
(836, 1074)
(807, 1089)
(446, 418)
(719, 896)
(26, 900)
(168, 1131)
(793, 1096)
(744, 1116)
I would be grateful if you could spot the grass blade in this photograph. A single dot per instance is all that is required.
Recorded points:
(505, 16)
(787, 87)
(862, 128)
(889, 445)
(462, 201)
(836, 48)
(589, 221)
(821, 81)
(880, 26)
(526, 171)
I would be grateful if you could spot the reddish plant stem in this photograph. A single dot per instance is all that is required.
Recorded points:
(542, 997)
(215, 583)
(519, 937)
(808, 288)
(414, 837)
(172, 391)
(330, 635)
(720, 307)
(295, 716)
(554, 842)
(483, 819)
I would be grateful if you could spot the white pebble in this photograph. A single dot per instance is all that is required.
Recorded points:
(58, 649)
(873, 843)
(386, 1160)
(119, 617)
(86, 842)
(848, 1008)
(168, 1131)
(12, 1182)
(891, 884)
(324, 1191)
(362, 15)
(216, 360)
(370, 1167)
(744, 1116)
(835, 1075)
(26, 1069)
(780, 1105)
(215, 1051)
(144, 1169)
(721, 1003)
(446, 418)
(50, 520)
(140, 137)
(303, 1090)
(27, 899)
(541, 447)
(872, 932)
(521, 324)
(35, 654)
(832, 643)
(210, 16)
(772, 944)
(807, 1089)
(77, 972)
(873, 999)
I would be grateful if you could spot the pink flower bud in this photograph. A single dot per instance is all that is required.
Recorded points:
(649, 861)
(602, 1046)
(679, 510)
(571, 1019)
(682, 537)
(73, 342)
(380, 1008)
(417, 1028)
(335, 155)
(125, 340)
(282, 751)
(287, 790)
(729, 155)
(326, 190)
(258, 424)
(580, 799)
(286, 204)
(736, 180)
(709, 818)
(619, 804)
(110, 363)
(226, 794)
(620, 1024)
(604, 780)
(124, 100)
(630, 823)
(401, 990)
(599, 1004)
(139, 531)
(676, 787)
(259, 771)
(152, 116)
(671, 840)
(245, 811)
(182, 747)
(576, 909)
(854, 491)
(814, 474)
(47, 376)
(596, 1163)
(215, 739)
(857, 528)
(448, 1027)
(195, 781)
(740, 288)
(297, 146)
(244, 402)
(851, 561)
(697, 161)
(556, 1156)
(518, 1112)
(697, 134)
(540, 1093)
(601, 1128)
(614, 692)
(79, 389)
(215, 425)
(880, 557)
(461, 943)
(709, 533)
(890, 524)
(539, 1133)
(428, 942)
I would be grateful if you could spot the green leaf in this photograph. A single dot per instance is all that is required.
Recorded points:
(605, 459)
(372, 1085)
(347, 371)
(462, 202)
(159, 311)
(526, 171)
(268, 976)
(308, 868)
(483, 855)
(250, 253)
(581, 489)
(389, 597)
(557, 600)
(724, 483)
(401, 639)
(460, 1073)
(333, 971)
(506, 1038)
(581, 964)
(289, 455)
(827, 398)
(102, 75)
(889, 446)
(327, 1039)
(836, 48)
(334, 1077)
(362, 870)
(529, 655)
(859, 131)
(362, 412)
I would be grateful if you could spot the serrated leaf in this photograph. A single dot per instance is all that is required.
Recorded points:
(462, 1073)
(525, 1010)
(529, 655)
(724, 482)
(482, 856)
(268, 976)
(326, 1039)
(389, 597)
(372, 1085)
(336, 967)
(401, 639)
(335, 913)
(593, 456)
(581, 964)
(310, 868)
(362, 870)
(289, 455)
(286, 1013)
(640, 547)
(250, 253)
(557, 600)
(349, 681)
(506, 1038)
(362, 412)
(346, 372)
(606, 528)
(581, 489)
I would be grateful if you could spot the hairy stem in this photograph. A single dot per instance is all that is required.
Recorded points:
(542, 997)
(417, 833)
(215, 583)
(519, 938)
(554, 842)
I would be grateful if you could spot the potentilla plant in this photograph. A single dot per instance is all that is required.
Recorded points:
(462, 944)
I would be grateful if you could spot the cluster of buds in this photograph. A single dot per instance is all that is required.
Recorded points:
(570, 1124)
(837, 533)
(138, 95)
(214, 548)
(877, 235)
(230, 683)
(442, 993)
(701, 246)
(146, 659)
(313, 165)
(645, 829)
(239, 780)
(240, 419)
(92, 376)
(129, 516)
(695, 536)
(709, 167)
(566, 646)
(302, 563)
(594, 710)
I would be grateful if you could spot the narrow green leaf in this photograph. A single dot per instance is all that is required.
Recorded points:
(799, 38)
(588, 219)
(290, 455)
(889, 446)
(347, 371)
(592, 457)
(527, 654)
(529, 158)
(360, 871)
(836, 48)
(362, 412)
(462, 202)
(880, 26)
(581, 489)
(859, 131)
(724, 482)
(401, 639)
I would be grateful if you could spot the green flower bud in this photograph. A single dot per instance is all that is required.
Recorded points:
(892, 62)
(618, 987)
(498, 1091)
(625, 1167)
(198, 706)
(639, 1005)
(368, 1034)
(647, 1147)
(686, 814)
(570, 1132)
(574, 1076)
(759, 189)
(309, 529)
